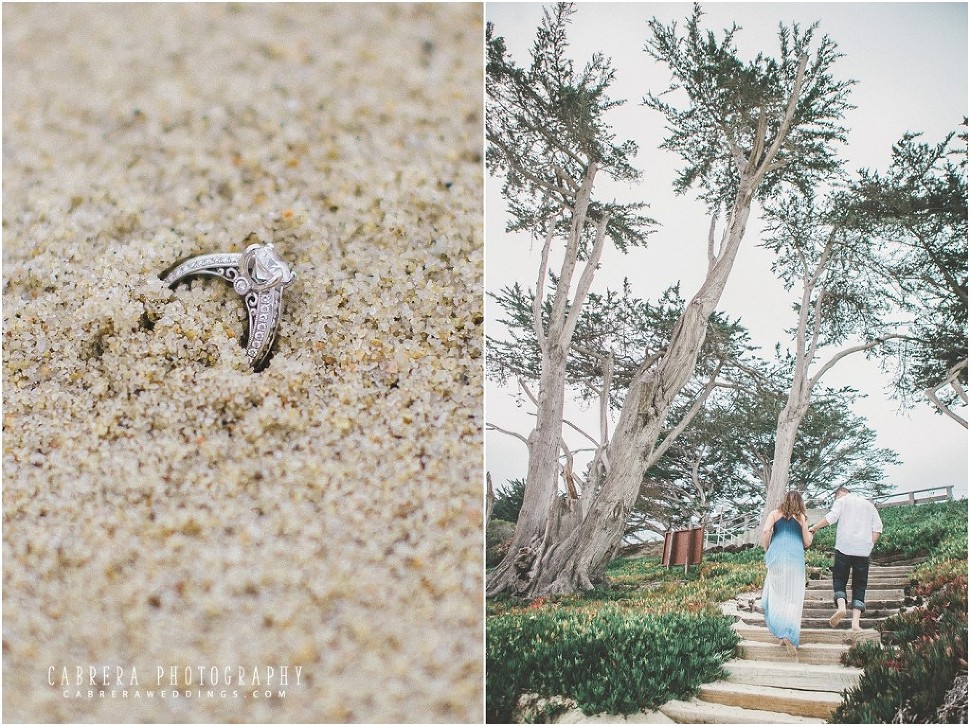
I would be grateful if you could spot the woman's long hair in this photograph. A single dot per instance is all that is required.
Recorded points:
(792, 505)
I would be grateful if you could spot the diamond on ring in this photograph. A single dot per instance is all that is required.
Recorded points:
(259, 275)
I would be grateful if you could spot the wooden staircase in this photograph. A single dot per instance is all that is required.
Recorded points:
(765, 685)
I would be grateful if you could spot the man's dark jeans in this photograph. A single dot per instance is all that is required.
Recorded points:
(859, 566)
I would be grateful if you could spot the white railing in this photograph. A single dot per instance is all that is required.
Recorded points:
(724, 531)
(911, 498)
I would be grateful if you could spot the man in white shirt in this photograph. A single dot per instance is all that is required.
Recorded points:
(859, 528)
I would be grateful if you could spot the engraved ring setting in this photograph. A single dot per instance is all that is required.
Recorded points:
(259, 275)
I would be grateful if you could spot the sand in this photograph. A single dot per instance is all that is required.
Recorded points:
(165, 507)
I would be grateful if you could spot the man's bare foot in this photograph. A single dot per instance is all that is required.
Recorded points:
(837, 617)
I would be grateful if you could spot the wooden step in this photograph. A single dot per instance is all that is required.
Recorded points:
(798, 676)
(816, 593)
(871, 602)
(810, 622)
(697, 711)
(895, 593)
(873, 576)
(875, 573)
(876, 566)
(827, 612)
(811, 653)
(812, 704)
(813, 610)
(846, 624)
(831, 636)
(891, 571)
(887, 584)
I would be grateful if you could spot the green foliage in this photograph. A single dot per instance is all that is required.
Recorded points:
(918, 209)
(508, 500)
(936, 571)
(938, 530)
(498, 534)
(734, 104)
(546, 126)
(728, 444)
(864, 654)
(908, 682)
(680, 643)
(610, 660)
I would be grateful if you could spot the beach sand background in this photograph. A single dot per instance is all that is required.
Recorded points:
(164, 506)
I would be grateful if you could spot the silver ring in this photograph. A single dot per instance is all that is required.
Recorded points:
(259, 275)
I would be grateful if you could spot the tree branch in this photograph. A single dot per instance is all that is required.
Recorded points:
(931, 394)
(605, 398)
(953, 376)
(849, 351)
(489, 497)
(759, 139)
(711, 257)
(816, 326)
(520, 437)
(528, 392)
(540, 286)
(567, 470)
(576, 428)
(557, 319)
(566, 194)
(789, 115)
(952, 379)
(669, 439)
(733, 147)
(586, 278)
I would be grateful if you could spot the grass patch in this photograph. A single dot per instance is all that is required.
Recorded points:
(937, 530)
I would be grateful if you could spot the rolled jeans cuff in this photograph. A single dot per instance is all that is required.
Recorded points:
(840, 596)
(858, 605)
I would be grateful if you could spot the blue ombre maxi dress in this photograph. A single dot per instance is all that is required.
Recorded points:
(784, 593)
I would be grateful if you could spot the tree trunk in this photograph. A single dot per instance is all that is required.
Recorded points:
(786, 431)
(533, 528)
(579, 562)
(513, 573)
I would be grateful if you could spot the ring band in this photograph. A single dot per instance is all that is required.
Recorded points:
(259, 275)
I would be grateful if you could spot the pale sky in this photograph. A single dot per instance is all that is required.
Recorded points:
(910, 61)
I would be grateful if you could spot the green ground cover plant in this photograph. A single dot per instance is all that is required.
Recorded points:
(652, 635)
(609, 660)
(919, 674)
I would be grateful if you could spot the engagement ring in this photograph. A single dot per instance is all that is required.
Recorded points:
(259, 276)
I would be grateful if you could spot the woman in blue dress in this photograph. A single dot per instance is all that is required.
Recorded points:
(785, 538)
